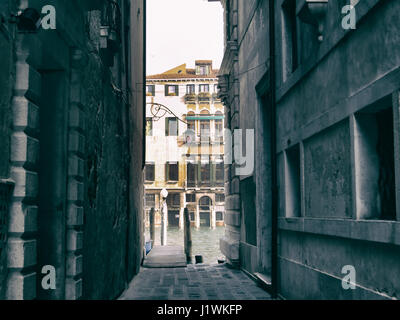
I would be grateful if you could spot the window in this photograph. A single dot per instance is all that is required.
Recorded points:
(171, 126)
(191, 174)
(292, 182)
(204, 88)
(202, 70)
(205, 125)
(190, 89)
(150, 90)
(219, 127)
(190, 197)
(205, 129)
(191, 213)
(174, 200)
(290, 38)
(171, 90)
(172, 171)
(205, 203)
(219, 173)
(219, 197)
(150, 200)
(205, 174)
(191, 125)
(149, 126)
(149, 172)
(219, 216)
(374, 162)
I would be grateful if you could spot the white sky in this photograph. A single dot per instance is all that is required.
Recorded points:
(182, 31)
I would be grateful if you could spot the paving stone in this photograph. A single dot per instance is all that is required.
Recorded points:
(215, 282)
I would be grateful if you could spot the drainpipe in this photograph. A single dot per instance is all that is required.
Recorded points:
(274, 186)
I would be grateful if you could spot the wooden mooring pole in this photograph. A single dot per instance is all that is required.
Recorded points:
(187, 236)
(152, 227)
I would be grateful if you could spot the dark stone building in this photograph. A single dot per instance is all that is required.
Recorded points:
(323, 99)
(71, 118)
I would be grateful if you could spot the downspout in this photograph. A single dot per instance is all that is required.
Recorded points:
(144, 80)
(274, 186)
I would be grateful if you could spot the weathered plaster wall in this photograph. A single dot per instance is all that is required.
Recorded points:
(253, 30)
(315, 108)
(106, 209)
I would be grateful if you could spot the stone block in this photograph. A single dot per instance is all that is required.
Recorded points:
(21, 253)
(232, 218)
(76, 167)
(22, 218)
(24, 149)
(73, 289)
(229, 248)
(76, 118)
(75, 190)
(21, 286)
(74, 265)
(232, 202)
(25, 114)
(28, 81)
(74, 240)
(76, 142)
(26, 183)
(75, 215)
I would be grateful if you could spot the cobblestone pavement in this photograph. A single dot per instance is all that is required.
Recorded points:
(195, 282)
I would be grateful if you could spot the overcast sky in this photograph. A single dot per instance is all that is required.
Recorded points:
(182, 31)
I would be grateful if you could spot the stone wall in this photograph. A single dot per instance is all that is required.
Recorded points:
(7, 75)
(336, 160)
(71, 155)
(322, 110)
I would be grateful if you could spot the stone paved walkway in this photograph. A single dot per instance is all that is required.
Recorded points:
(194, 282)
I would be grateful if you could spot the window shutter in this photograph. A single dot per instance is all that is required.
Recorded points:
(166, 126)
(177, 90)
(166, 90)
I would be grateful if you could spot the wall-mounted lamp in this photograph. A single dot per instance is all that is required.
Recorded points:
(28, 20)
(313, 12)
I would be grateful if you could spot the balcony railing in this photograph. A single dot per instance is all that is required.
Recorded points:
(204, 97)
(190, 98)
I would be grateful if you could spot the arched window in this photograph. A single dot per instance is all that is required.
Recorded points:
(191, 123)
(205, 124)
(219, 126)
(205, 203)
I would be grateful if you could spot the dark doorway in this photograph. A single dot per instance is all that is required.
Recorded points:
(52, 181)
(205, 211)
(173, 218)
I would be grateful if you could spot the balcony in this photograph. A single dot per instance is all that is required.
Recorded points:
(204, 97)
(190, 98)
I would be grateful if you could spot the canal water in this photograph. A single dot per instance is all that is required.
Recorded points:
(205, 241)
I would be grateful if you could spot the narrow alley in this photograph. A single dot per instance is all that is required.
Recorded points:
(194, 282)
(199, 150)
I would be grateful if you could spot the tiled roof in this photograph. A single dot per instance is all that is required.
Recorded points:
(203, 62)
(186, 74)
